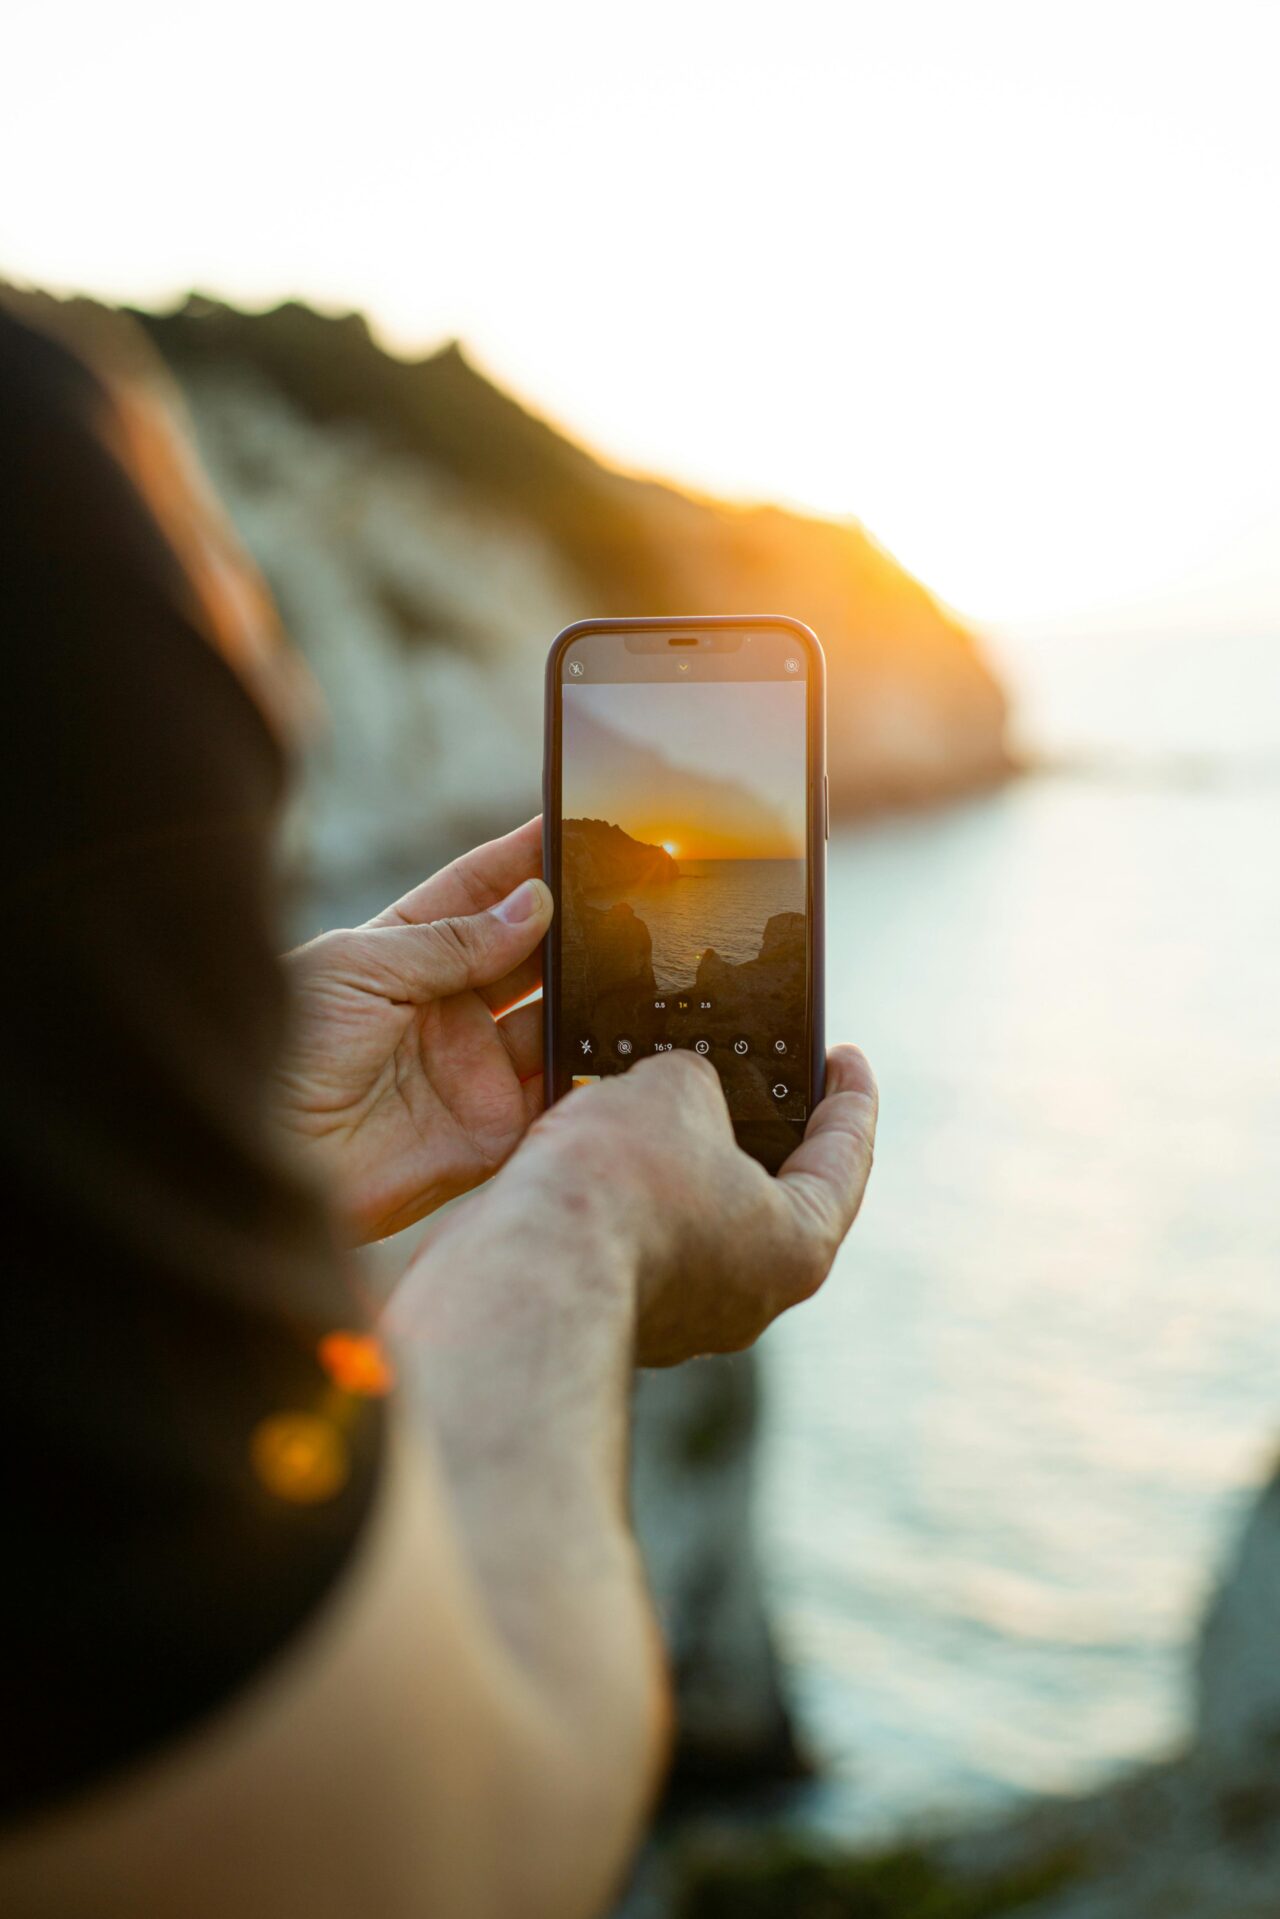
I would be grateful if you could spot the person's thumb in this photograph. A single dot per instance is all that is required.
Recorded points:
(448, 956)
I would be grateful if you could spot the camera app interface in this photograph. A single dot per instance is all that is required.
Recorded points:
(682, 917)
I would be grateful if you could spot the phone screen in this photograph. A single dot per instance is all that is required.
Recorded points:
(685, 895)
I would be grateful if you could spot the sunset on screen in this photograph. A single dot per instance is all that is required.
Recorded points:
(705, 771)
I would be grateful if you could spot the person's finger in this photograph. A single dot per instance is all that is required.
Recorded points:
(473, 882)
(825, 1178)
(515, 985)
(521, 1034)
(848, 1071)
(535, 1097)
(680, 1074)
(448, 956)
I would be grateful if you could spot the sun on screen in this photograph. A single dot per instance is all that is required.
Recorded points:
(669, 846)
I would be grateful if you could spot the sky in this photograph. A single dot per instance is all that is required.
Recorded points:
(710, 771)
(997, 279)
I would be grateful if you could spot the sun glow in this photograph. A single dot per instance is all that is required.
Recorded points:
(1036, 362)
(669, 846)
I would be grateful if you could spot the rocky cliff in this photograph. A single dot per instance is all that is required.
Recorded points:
(606, 952)
(599, 857)
(426, 537)
(765, 995)
(607, 967)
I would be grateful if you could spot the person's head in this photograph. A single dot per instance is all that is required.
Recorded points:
(116, 382)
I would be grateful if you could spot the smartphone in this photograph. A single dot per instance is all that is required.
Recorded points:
(685, 824)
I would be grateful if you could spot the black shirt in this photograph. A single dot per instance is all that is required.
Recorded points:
(182, 1478)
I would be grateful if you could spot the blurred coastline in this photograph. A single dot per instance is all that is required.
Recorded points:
(425, 538)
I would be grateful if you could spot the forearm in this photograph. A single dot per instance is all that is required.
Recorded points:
(515, 1331)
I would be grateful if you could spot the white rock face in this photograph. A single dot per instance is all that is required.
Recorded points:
(423, 619)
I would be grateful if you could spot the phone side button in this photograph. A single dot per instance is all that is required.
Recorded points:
(826, 809)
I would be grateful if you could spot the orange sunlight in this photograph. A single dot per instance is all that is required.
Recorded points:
(711, 839)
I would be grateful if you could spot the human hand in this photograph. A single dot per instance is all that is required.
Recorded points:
(406, 1078)
(721, 1246)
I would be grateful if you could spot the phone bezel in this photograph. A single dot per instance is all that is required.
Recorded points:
(748, 1132)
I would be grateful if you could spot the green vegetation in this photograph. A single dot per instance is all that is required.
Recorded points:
(441, 411)
(787, 1880)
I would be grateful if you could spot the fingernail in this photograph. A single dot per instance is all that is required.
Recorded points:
(522, 904)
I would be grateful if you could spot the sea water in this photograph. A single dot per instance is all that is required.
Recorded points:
(1007, 1447)
(718, 903)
